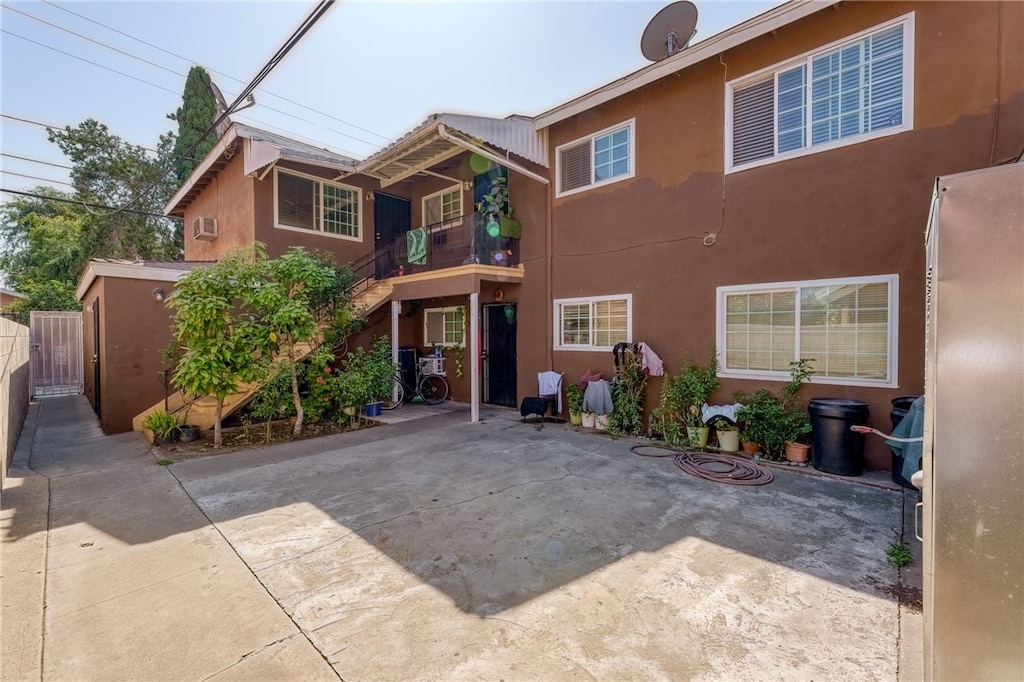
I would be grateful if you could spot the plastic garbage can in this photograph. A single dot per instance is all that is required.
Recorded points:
(835, 449)
(900, 407)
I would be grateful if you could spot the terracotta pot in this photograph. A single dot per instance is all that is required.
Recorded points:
(797, 453)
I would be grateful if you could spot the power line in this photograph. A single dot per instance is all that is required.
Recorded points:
(35, 177)
(82, 59)
(25, 158)
(84, 203)
(163, 68)
(160, 87)
(282, 52)
(221, 73)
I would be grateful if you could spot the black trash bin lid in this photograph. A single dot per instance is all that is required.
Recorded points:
(842, 408)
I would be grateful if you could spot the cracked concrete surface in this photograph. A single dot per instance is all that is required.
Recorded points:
(440, 549)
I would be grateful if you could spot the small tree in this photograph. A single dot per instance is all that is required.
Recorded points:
(217, 325)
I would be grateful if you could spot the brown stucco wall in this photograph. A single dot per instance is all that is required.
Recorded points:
(857, 210)
(134, 329)
(229, 199)
(280, 240)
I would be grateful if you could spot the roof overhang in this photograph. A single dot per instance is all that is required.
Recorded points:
(130, 270)
(756, 27)
(435, 141)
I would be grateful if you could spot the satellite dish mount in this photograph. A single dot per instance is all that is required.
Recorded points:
(663, 36)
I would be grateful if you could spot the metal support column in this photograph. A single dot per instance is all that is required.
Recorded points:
(474, 356)
(396, 312)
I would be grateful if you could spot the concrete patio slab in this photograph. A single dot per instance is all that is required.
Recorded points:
(433, 548)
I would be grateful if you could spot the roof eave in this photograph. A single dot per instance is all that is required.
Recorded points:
(726, 40)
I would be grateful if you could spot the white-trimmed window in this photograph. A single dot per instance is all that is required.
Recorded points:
(604, 157)
(444, 326)
(305, 202)
(847, 326)
(847, 92)
(443, 207)
(596, 323)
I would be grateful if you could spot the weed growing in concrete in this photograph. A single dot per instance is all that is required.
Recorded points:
(899, 554)
(165, 462)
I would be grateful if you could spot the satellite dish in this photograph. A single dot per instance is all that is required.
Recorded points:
(669, 31)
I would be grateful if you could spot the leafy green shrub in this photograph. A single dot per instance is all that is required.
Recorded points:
(161, 422)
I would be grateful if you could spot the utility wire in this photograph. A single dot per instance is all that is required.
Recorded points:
(318, 12)
(35, 177)
(25, 158)
(79, 202)
(221, 73)
(181, 75)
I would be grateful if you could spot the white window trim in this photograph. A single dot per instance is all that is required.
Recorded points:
(427, 343)
(631, 124)
(907, 20)
(892, 349)
(319, 232)
(556, 341)
(441, 193)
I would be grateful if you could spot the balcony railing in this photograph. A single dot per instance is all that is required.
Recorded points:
(468, 239)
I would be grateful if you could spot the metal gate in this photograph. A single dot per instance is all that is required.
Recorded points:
(56, 343)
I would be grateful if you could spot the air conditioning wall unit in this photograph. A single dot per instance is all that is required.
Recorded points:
(204, 228)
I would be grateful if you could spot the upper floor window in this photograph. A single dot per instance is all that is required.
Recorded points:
(848, 92)
(309, 203)
(604, 157)
(443, 207)
(847, 326)
(596, 323)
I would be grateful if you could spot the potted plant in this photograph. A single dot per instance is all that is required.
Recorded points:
(574, 396)
(769, 420)
(497, 211)
(163, 425)
(728, 436)
(682, 397)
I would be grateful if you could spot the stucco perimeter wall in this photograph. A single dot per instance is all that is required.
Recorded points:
(134, 330)
(14, 389)
(229, 199)
(279, 240)
(853, 211)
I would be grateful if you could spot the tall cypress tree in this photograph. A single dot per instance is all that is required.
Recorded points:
(197, 112)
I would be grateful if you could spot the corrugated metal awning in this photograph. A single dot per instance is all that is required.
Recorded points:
(443, 136)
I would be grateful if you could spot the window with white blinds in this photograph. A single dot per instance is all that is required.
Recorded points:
(846, 93)
(846, 326)
(604, 157)
(309, 203)
(596, 323)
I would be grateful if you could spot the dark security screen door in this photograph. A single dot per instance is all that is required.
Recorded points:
(392, 218)
(499, 346)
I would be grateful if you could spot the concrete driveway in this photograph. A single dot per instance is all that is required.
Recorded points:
(439, 549)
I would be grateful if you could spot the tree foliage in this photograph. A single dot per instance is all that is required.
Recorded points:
(195, 115)
(248, 318)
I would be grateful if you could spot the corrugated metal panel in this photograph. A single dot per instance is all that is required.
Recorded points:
(293, 148)
(515, 135)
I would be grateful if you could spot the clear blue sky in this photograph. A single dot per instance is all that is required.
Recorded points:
(376, 68)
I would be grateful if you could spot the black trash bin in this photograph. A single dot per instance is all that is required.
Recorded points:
(900, 407)
(835, 449)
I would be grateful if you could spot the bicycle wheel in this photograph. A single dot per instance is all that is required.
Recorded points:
(399, 394)
(434, 389)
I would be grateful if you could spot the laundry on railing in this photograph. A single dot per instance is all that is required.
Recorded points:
(416, 246)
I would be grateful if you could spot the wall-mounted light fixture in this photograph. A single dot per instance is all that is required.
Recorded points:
(468, 185)
(369, 196)
(159, 295)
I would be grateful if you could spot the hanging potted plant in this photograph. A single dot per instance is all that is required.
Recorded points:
(497, 211)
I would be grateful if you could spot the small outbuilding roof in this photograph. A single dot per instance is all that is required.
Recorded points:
(157, 270)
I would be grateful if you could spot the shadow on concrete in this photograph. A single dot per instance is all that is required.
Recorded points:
(490, 514)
